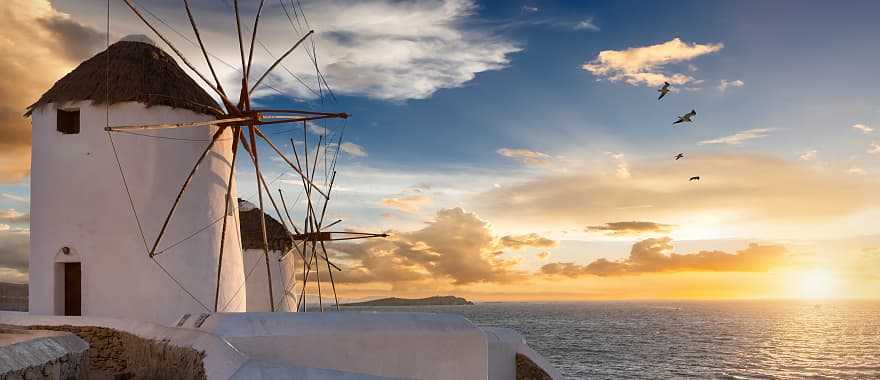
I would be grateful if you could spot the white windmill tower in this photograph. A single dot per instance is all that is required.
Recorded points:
(86, 255)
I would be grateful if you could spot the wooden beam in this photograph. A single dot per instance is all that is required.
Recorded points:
(236, 132)
(294, 167)
(257, 83)
(183, 189)
(221, 122)
(255, 159)
(247, 73)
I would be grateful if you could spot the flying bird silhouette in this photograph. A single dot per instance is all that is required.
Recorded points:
(663, 90)
(686, 118)
(696, 178)
(679, 156)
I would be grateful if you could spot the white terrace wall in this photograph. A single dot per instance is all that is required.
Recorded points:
(78, 201)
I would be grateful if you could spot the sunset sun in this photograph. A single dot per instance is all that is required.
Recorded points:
(815, 284)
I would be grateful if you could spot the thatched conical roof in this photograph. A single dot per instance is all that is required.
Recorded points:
(252, 232)
(139, 72)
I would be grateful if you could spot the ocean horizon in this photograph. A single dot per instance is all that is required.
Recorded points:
(742, 339)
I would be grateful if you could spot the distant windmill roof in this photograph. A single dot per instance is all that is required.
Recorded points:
(251, 231)
(139, 72)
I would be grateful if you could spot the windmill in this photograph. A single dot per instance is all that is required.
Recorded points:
(245, 122)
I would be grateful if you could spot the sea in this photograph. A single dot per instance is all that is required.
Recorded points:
(692, 339)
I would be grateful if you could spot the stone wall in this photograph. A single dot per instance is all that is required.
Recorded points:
(119, 355)
(28, 354)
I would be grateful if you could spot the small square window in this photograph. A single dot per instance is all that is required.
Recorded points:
(68, 122)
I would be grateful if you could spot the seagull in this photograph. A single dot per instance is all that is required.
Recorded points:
(697, 178)
(663, 90)
(686, 118)
(679, 156)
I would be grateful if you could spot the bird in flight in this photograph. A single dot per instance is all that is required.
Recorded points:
(663, 90)
(679, 156)
(696, 178)
(686, 118)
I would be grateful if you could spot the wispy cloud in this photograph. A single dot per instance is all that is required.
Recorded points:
(409, 203)
(14, 197)
(739, 137)
(724, 84)
(809, 155)
(527, 240)
(586, 24)
(13, 216)
(631, 228)
(864, 128)
(525, 156)
(856, 170)
(874, 148)
(353, 149)
(645, 64)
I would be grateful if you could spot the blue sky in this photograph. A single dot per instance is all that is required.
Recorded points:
(488, 106)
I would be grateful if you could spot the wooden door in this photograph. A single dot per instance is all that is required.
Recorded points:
(72, 289)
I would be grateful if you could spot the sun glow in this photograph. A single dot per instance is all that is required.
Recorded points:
(816, 283)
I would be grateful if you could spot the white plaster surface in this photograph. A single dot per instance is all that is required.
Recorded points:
(504, 344)
(397, 345)
(78, 201)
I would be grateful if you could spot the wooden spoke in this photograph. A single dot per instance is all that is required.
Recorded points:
(183, 189)
(236, 132)
(221, 122)
(247, 73)
(295, 167)
(257, 83)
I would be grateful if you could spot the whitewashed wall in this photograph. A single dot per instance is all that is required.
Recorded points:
(78, 201)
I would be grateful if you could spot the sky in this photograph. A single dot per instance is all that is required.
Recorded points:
(518, 151)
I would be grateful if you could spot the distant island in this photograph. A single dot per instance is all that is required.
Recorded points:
(430, 301)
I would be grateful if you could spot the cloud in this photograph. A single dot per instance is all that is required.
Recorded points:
(529, 9)
(528, 240)
(456, 246)
(543, 255)
(724, 84)
(14, 197)
(808, 155)
(864, 128)
(855, 170)
(39, 46)
(353, 149)
(587, 24)
(749, 187)
(14, 250)
(410, 203)
(656, 255)
(13, 216)
(645, 64)
(622, 167)
(525, 156)
(875, 147)
(631, 228)
(740, 137)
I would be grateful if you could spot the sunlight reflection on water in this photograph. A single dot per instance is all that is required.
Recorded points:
(735, 339)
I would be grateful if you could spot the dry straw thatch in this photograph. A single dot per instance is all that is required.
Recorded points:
(252, 232)
(139, 72)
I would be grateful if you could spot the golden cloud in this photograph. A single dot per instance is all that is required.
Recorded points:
(527, 240)
(644, 64)
(525, 156)
(655, 256)
(409, 203)
(631, 228)
(39, 46)
(456, 246)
